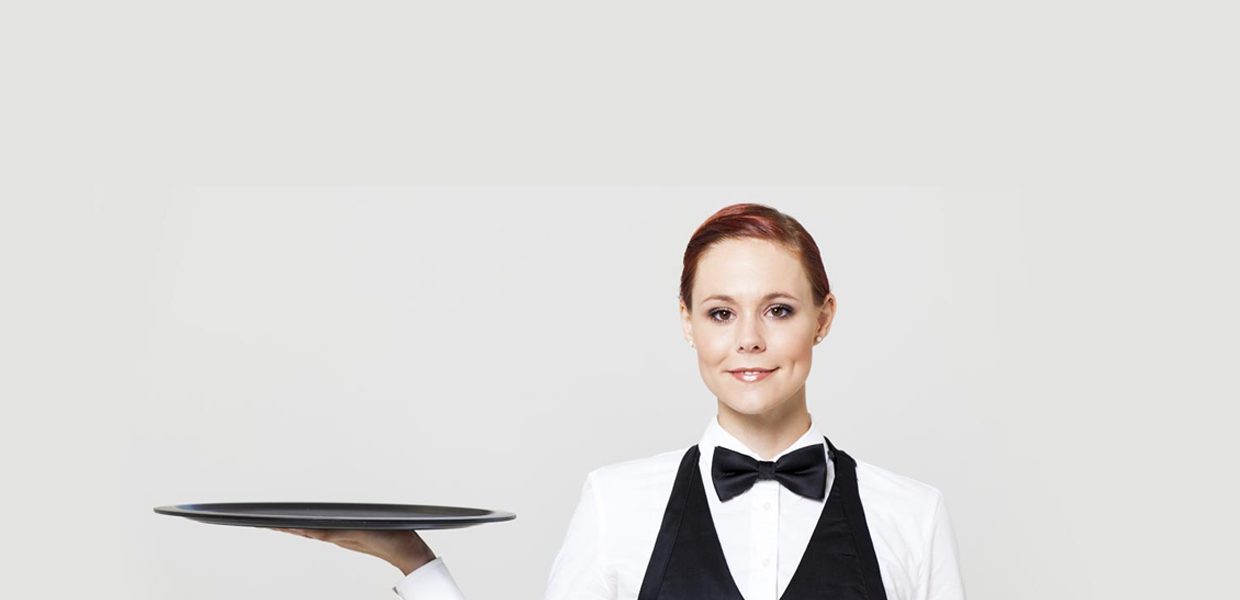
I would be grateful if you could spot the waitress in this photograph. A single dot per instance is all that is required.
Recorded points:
(764, 506)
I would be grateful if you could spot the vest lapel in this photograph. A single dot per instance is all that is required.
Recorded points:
(688, 562)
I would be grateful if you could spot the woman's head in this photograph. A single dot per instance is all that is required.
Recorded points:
(754, 295)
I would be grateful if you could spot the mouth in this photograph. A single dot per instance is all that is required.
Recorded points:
(751, 375)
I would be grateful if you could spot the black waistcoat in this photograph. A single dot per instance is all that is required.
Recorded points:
(688, 563)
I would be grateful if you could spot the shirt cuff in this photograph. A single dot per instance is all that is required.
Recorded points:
(431, 581)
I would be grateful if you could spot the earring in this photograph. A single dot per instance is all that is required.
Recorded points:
(817, 338)
(691, 344)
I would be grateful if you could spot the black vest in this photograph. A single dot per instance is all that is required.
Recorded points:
(688, 563)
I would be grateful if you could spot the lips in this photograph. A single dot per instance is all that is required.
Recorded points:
(751, 375)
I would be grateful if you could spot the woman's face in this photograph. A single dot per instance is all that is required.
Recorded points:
(753, 308)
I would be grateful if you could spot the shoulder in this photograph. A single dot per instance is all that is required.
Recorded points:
(911, 531)
(901, 513)
(635, 491)
(629, 500)
(892, 492)
(638, 476)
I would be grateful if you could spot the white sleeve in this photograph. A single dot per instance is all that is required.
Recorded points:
(431, 581)
(939, 576)
(580, 570)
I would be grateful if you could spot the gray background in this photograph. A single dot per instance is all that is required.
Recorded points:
(376, 344)
(1043, 325)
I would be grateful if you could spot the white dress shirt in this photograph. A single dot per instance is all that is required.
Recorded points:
(764, 531)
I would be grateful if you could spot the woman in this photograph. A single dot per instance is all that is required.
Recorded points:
(764, 506)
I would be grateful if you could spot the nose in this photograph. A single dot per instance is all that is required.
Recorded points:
(749, 336)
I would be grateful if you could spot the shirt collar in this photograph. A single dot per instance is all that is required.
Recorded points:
(716, 435)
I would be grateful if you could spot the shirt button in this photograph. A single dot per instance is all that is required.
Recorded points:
(766, 562)
(766, 506)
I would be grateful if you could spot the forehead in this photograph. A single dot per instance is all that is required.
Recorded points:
(748, 269)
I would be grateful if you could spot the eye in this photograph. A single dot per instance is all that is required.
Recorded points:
(787, 311)
(714, 314)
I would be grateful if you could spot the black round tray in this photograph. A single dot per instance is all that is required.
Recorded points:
(335, 515)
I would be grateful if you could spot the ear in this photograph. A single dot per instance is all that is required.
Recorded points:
(686, 322)
(826, 315)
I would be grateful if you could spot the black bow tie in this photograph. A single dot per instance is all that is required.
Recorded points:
(802, 471)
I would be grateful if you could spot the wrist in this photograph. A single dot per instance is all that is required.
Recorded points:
(411, 556)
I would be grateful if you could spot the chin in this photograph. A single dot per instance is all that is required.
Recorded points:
(750, 406)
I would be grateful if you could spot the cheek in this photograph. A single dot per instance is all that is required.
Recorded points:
(711, 342)
(797, 359)
(714, 354)
(791, 344)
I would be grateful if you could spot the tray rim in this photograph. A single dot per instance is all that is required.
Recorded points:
(184, 510)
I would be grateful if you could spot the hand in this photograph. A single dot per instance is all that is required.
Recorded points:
(405, 550)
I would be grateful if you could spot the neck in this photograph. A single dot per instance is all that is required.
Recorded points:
(771, 432)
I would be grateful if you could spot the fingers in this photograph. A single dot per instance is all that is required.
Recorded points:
(383, 544)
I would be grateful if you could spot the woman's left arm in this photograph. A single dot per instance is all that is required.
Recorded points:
(939, 577)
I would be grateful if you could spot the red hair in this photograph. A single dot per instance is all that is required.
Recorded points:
(761, 222)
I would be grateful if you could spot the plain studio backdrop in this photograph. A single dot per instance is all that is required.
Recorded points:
(488, 346)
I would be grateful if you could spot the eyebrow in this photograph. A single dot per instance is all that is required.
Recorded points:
(764, 298)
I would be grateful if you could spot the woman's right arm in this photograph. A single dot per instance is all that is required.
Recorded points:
(431, 581)
(426, 575)
(580, 570)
